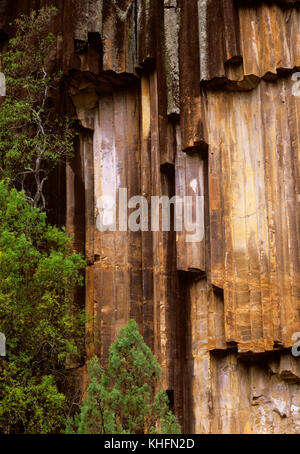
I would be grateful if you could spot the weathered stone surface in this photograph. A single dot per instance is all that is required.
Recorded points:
(192, 97)
(256, 222)
(218, 37)
(147, 26)
(172, 24)
(192, 121)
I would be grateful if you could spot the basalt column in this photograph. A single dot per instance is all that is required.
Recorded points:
(197, 99)
(117, 258)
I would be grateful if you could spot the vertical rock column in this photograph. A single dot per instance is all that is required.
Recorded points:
(118, 258)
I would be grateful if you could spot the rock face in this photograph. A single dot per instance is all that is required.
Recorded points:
(187, 97)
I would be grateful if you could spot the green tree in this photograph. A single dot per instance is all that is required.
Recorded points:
(34, 137)
(43, 326)
(123, 400)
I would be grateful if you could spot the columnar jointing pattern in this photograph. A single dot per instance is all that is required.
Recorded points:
(191, 97)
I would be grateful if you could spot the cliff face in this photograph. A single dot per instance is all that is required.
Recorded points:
(192, 97)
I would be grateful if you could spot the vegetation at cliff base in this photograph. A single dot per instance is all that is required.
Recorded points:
(123, 400)
(43, 327)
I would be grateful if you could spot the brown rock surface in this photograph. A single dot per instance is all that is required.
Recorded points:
(185, 97)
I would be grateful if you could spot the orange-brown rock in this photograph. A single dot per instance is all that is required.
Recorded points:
(191, 97)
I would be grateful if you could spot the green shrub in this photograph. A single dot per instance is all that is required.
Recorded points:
(123, 401)
(34, 137)
(43, 327)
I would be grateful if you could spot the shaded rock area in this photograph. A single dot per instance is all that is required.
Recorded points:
(190, 97)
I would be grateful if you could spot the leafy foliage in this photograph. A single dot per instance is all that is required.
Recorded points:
(123, 401)
(33, 137)
(43, 327)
